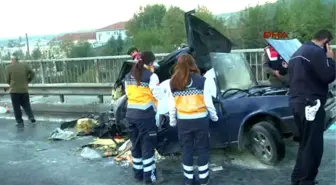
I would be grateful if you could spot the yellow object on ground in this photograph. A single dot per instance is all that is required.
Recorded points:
(108, 143)
(85, 125)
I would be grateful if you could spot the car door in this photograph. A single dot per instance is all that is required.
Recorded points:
(219, 133)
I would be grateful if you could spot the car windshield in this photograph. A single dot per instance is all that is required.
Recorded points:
(232, 71)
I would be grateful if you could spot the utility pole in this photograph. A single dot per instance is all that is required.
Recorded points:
(27, 42)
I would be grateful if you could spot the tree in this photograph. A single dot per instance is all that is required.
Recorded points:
(281, 17)
(11, 43)
(36, 54)
(160, 30)
(6, 57)
(146, 18)
(206, 15)
(120, 45)
(19, 53)
(304, 22)
(173, 31)
(81, 49)
(332, 19)
(66, 46)
(254, 21)
(146, 25)
(113, 47)
(148, 39)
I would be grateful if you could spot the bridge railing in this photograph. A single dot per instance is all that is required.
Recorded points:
(74, 70)
(104, 69)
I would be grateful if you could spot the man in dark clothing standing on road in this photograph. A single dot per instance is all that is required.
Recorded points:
(311, 69)
(18, 76)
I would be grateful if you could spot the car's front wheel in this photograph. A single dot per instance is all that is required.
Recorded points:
(266, 143)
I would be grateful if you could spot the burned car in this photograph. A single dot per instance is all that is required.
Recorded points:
(252, 116)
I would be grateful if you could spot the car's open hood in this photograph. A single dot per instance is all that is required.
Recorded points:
(204, 39)
(285, 48)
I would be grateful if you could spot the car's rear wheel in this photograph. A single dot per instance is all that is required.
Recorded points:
(266, 143)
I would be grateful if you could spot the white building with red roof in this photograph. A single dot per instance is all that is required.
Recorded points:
(114, 30)
(76, 37)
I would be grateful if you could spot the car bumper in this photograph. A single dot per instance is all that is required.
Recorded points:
(330, 109)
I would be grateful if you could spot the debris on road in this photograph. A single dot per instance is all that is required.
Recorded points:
(89, 153)
(217, 168)
(4, 110)
(59, 134)
(85, 125)
(109, 142)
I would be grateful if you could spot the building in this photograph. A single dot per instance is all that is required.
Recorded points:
(114, 30)
(76, 37)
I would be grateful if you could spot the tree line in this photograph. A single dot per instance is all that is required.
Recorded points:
(162, 29)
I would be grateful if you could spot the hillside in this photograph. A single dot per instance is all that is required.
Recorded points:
(233, 17)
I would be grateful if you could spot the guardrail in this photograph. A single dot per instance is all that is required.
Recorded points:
(61, 90)
(95, 75)
(104, 69)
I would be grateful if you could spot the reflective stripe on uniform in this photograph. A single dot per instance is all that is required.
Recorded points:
(137, 163)
(148, 161)
(149, 168)
(192, 116)
(136, 160)
(187, 168)
(204, 175)
(203, 171)
(203, 168)
(137, 167)
(188, 171)
(188, 176)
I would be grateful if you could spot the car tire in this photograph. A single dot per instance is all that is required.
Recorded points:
(266, 143)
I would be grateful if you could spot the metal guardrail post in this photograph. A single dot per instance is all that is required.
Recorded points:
(61, 98)
(96, 63)
(42, 76)
(97, 75)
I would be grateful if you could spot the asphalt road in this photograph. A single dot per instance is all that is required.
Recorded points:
(28, 158)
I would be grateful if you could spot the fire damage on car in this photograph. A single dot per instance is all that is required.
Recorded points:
(252, 116)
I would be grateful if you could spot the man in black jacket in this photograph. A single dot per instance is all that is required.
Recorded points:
(311, 69)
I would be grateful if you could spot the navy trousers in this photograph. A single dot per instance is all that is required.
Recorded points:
(194, 136)
(310, 149)
(143, 135)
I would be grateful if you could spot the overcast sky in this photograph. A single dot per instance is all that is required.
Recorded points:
(39, 17)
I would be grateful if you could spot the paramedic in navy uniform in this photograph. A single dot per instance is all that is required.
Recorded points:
(142, 93)
(190, 103)
(311, 70)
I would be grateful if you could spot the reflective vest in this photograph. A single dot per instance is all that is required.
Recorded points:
(140, 102)
(190, 102)
(272, 54)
